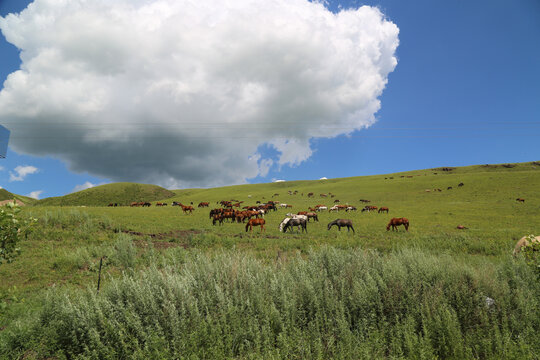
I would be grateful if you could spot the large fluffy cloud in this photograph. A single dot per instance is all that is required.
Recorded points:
(183, 93)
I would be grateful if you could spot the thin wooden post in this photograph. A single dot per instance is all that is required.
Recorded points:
(99, 276)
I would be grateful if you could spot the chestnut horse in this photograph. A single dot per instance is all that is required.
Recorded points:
(186, 208)
(255, 222)
(395, 222)
(383, 209)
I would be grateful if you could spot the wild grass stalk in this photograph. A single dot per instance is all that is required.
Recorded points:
(330, 304)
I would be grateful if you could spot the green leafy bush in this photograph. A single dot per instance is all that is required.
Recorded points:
(12, 228)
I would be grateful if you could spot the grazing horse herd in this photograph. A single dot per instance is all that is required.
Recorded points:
(254, 215)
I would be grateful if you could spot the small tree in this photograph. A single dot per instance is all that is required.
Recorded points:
(12, 229)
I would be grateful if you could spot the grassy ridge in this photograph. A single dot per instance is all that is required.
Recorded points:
(121, 193)
(6, 195)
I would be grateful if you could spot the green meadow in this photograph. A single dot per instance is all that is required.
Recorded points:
(175, 286)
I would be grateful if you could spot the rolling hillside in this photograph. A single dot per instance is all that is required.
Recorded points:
(121, 193)
(433, 277)
(6, 195)
(481, 182)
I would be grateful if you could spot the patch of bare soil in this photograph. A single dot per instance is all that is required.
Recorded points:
(179, 237)
(247, 235)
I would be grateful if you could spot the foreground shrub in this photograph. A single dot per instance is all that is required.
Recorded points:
(13, 228)
(332, 304)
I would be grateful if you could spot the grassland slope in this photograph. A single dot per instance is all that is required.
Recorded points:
(6, 195)
(120, 193)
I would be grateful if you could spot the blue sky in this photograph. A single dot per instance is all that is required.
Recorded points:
(466, 90)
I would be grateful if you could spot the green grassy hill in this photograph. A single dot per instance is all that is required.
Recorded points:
(417, 294)
(121, 193)
(6, 195)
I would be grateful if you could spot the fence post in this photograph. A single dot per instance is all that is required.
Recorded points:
(99, 275)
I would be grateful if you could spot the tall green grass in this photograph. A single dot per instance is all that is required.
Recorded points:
(352, 304)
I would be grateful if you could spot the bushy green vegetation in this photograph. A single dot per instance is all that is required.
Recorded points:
(12, 229)
(329, 304)
(174, 285)
(121, 193)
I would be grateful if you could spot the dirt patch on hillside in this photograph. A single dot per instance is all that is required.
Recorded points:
(175, 234)
(176, 238)
(249, 235)
(14, 201)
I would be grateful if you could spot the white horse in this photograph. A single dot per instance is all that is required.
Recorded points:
(286, 220)
(334, 208)
(261, 212)
(297, 220)
(283, 205)
(321, 208)
(295, 216)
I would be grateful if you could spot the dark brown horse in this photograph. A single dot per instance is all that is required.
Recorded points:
(395, 222)
(383, 209)
(217, 218)
(340, 223)
(255, 222)
(520, 200)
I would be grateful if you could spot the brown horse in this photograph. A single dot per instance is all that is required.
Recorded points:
(520, 200)
(383, 209)
(203, 204)
(186, 208)
(217, 218)
(312, 215)
(255, 222)
(395, 222)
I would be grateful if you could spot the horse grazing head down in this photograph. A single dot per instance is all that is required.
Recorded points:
(340, 223)
(395, 222)
(255, 222)
(295, 222)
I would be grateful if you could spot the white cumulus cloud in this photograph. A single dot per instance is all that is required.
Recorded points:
(183, 93)
(20, 172)
(35, 194)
